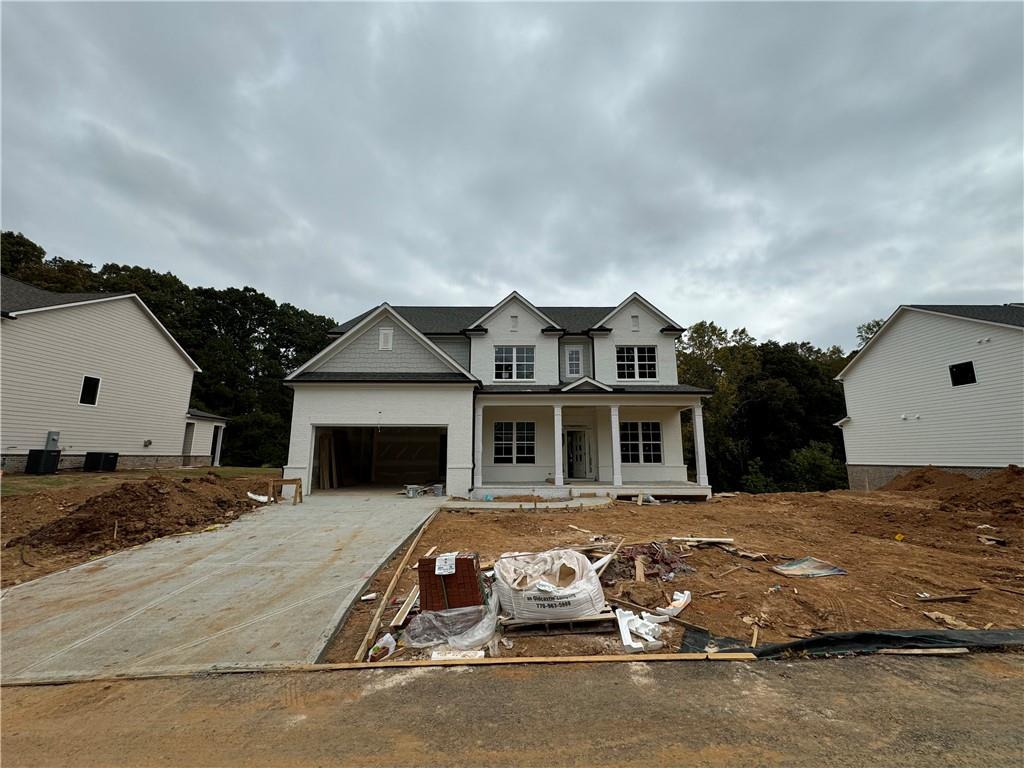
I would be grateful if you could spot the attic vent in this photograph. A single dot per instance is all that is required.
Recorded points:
(515, 322)
(635, 320)
(387, 339)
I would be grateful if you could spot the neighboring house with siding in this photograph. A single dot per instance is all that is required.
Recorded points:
(500, 400)
(101, 370)
(939, 385)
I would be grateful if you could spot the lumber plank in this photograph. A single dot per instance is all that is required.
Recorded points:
(732, 656)
(641, 576)
(923, 651)
(614, 553)
(375, 621)
(962, 598)
(403, 612)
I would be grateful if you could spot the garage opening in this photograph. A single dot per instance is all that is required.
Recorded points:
(395, 456)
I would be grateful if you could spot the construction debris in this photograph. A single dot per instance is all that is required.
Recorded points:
(808, 568)
(559, 584)
(950, 621)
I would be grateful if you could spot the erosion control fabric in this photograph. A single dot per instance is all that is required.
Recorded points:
(869, 641)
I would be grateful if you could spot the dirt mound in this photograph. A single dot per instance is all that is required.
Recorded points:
(141, 511)
(927, 479)
(1000, 491)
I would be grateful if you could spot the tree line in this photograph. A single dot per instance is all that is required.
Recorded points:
(768, 423)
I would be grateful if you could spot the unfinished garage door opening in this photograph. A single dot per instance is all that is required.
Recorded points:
(386, 456)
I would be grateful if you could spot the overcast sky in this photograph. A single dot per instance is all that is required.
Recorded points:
(796, 169)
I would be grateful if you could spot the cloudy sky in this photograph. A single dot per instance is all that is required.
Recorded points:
(796, 169)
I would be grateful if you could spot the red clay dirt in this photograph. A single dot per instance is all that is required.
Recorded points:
(51, 530)
(940, 553)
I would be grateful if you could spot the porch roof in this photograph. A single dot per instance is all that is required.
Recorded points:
(616, 389)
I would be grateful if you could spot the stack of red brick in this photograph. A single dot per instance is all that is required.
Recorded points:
(457, 590)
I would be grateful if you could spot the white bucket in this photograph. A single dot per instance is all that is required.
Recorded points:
(412, 491)
(439, 489)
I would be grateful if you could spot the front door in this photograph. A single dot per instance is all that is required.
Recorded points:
(579, 457)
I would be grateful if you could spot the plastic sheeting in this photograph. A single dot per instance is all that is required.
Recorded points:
(869, 641)
(462, 628)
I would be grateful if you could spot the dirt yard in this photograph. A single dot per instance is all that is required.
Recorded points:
(919, 535)
(48, 529)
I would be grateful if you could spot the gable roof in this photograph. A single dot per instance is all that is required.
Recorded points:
(516, 296)
(670, 324)
(1010, 315)
(452, 320)
(18, 298)
(364, 322)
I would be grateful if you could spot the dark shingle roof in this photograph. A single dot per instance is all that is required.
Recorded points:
(1007, 314)
(411, 377)
(436, 321)
(16, 296)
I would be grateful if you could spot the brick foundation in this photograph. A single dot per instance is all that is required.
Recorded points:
(14, 463)
(870, 477)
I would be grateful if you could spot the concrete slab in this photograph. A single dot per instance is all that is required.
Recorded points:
(269, 588)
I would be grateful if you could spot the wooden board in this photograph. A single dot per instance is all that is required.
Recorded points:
(403, 613)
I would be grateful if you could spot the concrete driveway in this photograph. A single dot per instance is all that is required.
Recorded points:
(270, 587)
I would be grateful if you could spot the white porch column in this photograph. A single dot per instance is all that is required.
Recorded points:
(698, 445)
(559, 478)
(478, 446)
(616, 446)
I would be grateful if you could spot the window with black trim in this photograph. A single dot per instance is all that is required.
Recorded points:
(636, 362)
(90, 393)
(513, 363)
(640, 442)
(962, 373)
(515, 442)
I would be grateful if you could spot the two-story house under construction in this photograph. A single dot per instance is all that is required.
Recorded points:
(512, 399)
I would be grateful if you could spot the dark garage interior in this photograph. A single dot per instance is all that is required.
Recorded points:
(395, 456)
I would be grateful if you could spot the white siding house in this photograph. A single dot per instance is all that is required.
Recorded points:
(502, 400)
(937, 385)
(102, 371)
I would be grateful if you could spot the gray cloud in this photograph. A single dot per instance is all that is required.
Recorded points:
(793, 168)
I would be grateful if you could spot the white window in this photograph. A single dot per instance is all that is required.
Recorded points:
(515, 442)
(573, 361)
(387, 339)
(636, 362)
(635, 320)
(513, 363)
(90, 393)
(640, 442)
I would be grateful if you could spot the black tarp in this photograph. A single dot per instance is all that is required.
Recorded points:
(867, 641)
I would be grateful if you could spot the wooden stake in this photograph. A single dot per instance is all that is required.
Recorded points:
(375, 621)
(753, 640)
(638, 564)
(614, 553)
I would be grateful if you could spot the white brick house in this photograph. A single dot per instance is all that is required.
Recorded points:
(939, 385)
(502, 400)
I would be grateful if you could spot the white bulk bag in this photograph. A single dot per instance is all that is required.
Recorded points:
(558, 584)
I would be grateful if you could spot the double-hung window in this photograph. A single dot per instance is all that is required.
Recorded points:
(515, 442)
(636, 362)
(573, 362)
(640, 442)
(512, 363)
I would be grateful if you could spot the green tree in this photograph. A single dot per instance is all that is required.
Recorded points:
(866, 330)
(815, 468)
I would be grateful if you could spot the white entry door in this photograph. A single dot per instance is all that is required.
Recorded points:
(579, 455)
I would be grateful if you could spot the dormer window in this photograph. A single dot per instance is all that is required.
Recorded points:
(513, 363)
(386, 339)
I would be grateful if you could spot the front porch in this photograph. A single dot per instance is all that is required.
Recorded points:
(563, 446)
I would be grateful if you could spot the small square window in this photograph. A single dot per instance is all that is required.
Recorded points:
(962, 373)
(90, 394)
(387, 339)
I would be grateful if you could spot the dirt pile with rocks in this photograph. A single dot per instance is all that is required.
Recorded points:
(1001, 491)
